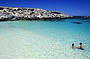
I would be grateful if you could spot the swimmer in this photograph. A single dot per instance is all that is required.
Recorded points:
(81, 47)
(73, 46)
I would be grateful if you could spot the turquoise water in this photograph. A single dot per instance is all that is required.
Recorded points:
(44, 39)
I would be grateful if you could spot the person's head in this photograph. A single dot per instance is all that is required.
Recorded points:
(73, 44)
(80, 43)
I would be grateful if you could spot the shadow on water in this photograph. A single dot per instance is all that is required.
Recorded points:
(46, 19)
(57, 20)
(52, 20)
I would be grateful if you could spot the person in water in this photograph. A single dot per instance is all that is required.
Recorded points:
(73, 46)
(81, 47)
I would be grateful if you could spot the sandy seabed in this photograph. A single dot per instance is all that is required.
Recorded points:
(16, 43)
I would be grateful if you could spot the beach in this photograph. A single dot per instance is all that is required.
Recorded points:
(44, 39)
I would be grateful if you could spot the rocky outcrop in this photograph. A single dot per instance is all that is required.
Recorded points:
(12, 14)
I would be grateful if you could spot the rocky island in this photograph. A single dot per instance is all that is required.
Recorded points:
(12, 14)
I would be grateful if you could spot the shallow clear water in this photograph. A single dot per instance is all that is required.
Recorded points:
(44, 39)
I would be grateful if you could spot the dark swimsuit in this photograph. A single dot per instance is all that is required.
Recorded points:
(81, 48)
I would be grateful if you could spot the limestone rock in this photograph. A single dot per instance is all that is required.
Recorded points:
(10, 13)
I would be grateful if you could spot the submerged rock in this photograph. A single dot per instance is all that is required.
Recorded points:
(77, 22)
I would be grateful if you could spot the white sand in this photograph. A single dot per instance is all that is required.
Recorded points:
(23, 44)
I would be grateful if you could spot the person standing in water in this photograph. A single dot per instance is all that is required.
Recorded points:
(81, 46)
(73, 46)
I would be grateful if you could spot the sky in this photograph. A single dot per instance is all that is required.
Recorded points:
(69, 7)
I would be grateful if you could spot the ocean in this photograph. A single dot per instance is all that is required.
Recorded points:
(44, 39)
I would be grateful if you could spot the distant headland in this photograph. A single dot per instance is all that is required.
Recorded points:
(13, 14)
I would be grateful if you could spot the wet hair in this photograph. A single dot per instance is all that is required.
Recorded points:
(73, 44)
(80, 43)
